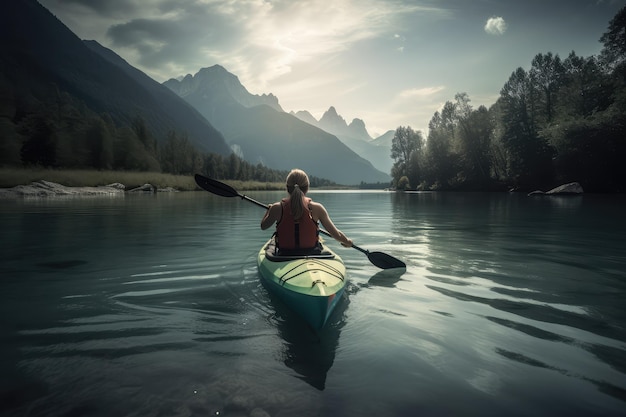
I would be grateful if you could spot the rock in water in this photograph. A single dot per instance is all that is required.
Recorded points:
(573, 188)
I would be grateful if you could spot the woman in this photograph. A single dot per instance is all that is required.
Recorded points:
(297, 218)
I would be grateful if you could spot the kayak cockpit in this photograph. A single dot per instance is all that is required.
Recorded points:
(272, 253)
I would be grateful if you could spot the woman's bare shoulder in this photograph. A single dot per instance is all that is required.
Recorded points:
(317, 209)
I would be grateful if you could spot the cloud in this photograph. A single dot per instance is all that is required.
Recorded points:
(303, 33)
(259, 40)
(420, 92)
(174, 38)
(495, 26)
(399, 38)
(116, 8)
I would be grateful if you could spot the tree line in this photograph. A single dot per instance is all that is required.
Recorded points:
(563, 120)
(64, 133)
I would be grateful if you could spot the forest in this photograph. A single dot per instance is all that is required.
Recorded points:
(561, 121)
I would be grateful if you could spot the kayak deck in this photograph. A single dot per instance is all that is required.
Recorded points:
(311, 285)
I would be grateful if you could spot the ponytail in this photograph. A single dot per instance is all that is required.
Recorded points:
(296, 202)
(297, 187)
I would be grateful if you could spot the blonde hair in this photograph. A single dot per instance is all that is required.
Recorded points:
(297, 187)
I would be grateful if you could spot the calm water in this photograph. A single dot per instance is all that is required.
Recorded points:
(152, 306)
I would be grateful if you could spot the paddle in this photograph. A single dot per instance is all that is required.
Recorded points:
(380, 259)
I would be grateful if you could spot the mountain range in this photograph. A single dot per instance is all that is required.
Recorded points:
(355, 136)
(40, 55)
(259, 130)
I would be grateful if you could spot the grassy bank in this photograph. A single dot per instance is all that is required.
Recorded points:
(10, 177)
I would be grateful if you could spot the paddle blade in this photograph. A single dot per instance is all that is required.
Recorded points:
(384, 261)
(215, 187)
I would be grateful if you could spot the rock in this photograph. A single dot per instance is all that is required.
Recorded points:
(146, 188)
(167, 190)
(50, 189)
(573, 188)
(117, 185)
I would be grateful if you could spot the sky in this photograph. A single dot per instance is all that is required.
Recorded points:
(389, 63)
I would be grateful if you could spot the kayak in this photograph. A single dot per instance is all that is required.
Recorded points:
(310, 285)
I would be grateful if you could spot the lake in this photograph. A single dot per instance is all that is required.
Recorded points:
(151, 305)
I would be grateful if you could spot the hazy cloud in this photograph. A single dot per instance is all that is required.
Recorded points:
(258, 40)
(495, 26)
(261, 41)
(110, 8)
(420, 92)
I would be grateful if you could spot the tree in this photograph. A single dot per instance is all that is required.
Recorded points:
(101, 141)
(474, 139)
(405, 142)
(546, 74)
(130, 153)
(145, 137)
(438, 159)
(178, 156)
(234, 166)
(528, 155)
(214, 166)
(585, 89)
(457, 152)
(614, 40)
(498, 152)
(39, 148)
(403, 183)
(10, 142)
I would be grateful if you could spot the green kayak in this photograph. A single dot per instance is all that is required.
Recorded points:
(310, 285)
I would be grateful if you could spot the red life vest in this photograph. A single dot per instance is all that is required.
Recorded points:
(292, 234)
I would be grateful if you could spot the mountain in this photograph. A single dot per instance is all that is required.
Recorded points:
(385, 140)
(305, 116)
(226, 86)
(357, 129)
(354, 135)
(41, 58)
(332, 122)
(257, 127)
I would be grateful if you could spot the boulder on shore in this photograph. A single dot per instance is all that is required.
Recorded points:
(146, 188)
(47, 189)
(573, 188)
(51, 189)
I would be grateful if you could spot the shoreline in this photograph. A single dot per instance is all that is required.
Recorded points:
(45, 188)
(92, 182)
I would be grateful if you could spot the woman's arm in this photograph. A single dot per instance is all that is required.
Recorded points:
(319, 212)
(272, 215)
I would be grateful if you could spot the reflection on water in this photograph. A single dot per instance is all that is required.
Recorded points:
(386, 277)
(527, 264)
(152, 305)
(309, 353)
